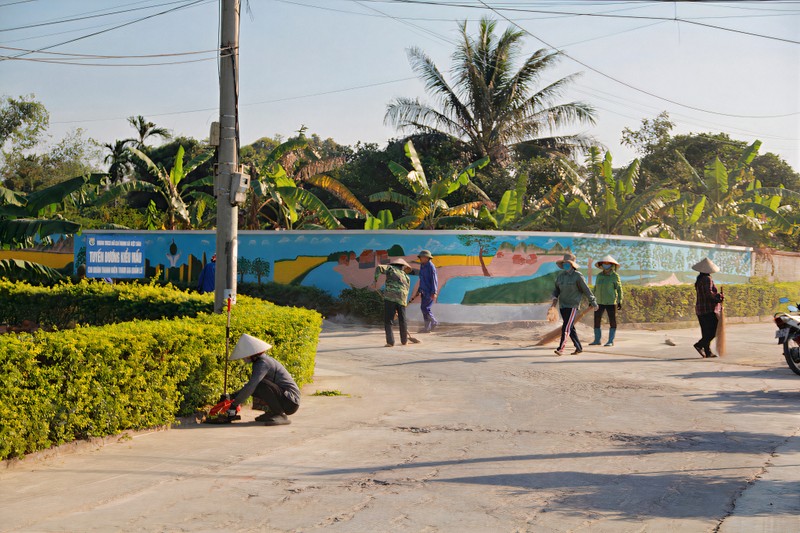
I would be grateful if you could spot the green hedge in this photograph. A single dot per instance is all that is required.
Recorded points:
(675, 303)
(365, 304)
(89, 302)
(292, 296)
(56, 387)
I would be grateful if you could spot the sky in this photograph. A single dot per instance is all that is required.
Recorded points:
(334, 65)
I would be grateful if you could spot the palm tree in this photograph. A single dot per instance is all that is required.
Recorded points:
(146, 129)
(119, 160)
(489, 108)
(428, 209)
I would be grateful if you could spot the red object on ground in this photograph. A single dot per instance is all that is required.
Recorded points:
(222, 408)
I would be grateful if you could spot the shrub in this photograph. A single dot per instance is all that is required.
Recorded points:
(292, 296)
(362, 303)
(94, 381)
(673, 303)
(95, 303)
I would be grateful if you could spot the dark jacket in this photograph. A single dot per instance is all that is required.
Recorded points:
(708, 299)
(265, 368)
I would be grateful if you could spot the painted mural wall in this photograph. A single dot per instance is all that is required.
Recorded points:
(484, 277)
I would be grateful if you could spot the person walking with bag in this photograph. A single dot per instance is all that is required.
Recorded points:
(608, 291)
(707, 307)
(569, 291)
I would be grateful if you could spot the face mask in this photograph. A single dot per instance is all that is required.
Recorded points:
(566, 266)
(605, 266)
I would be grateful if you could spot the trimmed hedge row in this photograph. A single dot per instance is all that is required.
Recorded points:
(675, 303)
(56, 387)
(89, 302)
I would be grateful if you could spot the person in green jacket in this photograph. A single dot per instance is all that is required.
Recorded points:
(608, 290)
(570, 290)
(395, 297)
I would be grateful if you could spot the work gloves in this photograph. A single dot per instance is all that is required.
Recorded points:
(619, 306)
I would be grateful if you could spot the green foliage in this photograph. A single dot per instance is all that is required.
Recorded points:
(292, 296)
(362, 303)
(95, 303)
(427, 208)
(674, 303)
(95, 381)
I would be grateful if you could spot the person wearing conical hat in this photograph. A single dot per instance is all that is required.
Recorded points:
(395, 297)
(569, 291)
(707, 307)
(608, 291)
(269, 382)
(428, 289)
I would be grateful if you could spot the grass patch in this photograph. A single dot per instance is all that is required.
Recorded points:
(329, 393)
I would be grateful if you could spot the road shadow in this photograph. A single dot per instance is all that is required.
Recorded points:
(668, 495)
(621, 445)
(760, 373)
(757, 401)
(483, 359)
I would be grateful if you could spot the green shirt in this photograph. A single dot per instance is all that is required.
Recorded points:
(608, 288)
(397, 283)
(571, 288)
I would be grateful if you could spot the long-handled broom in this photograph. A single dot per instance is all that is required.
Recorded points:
(218, 413)
(721, 347)
(547, 338)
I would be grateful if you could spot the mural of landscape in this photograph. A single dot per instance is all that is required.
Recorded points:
(475, 268)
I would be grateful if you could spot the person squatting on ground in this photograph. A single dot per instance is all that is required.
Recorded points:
(205, 283)
(269, 381)
(708, 306)
(395, 297)
(608, 291)
(570, 290)
(428, 289)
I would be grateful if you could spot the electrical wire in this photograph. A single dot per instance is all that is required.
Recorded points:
(262, 102)
(626, 84)
(84, 64)
(608, 15)
(184, 6)
(96, 56)
(75, 19)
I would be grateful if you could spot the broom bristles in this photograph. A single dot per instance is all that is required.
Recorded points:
(552, 314)
(547, 338)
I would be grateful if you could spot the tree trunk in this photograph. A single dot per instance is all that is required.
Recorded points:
(483, 265)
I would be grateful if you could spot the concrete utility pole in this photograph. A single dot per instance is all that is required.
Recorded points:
(230, 184)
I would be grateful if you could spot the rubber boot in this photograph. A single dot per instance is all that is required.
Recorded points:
(611, 334)
(597, 333)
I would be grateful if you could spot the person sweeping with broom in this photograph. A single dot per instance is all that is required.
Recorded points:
(608, 291)
(569, 291)
(708, 306)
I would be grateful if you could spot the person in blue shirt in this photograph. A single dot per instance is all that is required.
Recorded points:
(205, 283)
(428, 288)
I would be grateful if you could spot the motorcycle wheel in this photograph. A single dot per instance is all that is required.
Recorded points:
(791, 351)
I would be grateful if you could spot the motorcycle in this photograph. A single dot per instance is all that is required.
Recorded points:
(788, 335)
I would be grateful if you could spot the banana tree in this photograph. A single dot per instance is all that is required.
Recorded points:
(279, 199)
(679, 219)
(26, 219)
(736, 205)
(171, 185)
(510, 209)
(427, 208)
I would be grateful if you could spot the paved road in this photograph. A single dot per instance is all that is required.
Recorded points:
(473, 430)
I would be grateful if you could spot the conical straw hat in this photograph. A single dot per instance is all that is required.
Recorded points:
(706, 266)
(399, 261)
(247, 346)
(606, 259)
